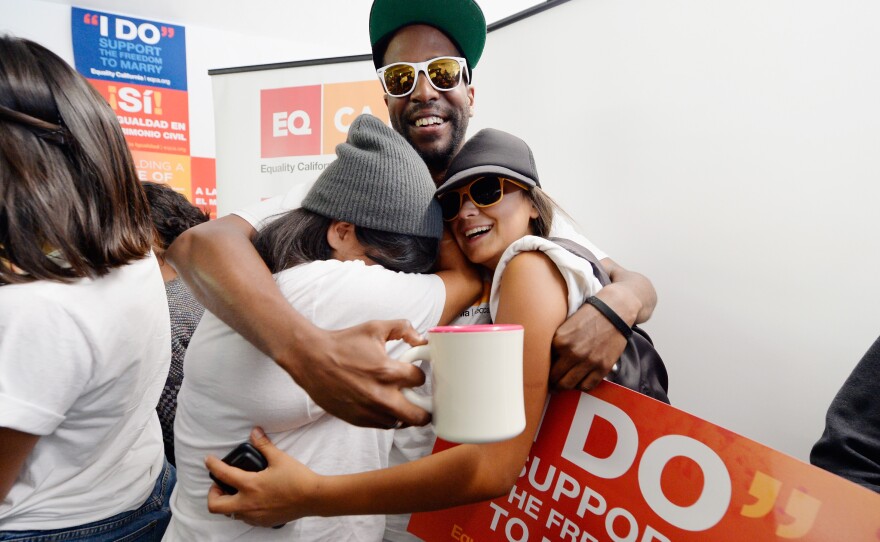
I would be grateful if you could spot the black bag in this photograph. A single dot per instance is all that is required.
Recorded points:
(640, 367)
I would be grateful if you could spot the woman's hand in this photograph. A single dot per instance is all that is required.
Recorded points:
(268, 498)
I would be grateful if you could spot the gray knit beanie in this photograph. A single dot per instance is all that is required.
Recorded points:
(379, 182)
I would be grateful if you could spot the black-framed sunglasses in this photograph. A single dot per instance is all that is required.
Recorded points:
(444, 74)
(482, 191)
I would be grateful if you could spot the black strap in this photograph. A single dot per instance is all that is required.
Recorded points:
(612, 316)
(640, 367)
(604, 279)
(583, 252)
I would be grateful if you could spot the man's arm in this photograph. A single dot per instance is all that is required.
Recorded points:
(15, 447)
(347, 372)
(633, 290)
(587, 345)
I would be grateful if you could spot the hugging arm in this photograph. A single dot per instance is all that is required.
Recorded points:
(347, 372)
(462, 279)
(15, 447)
(533, 295)
(587, 345)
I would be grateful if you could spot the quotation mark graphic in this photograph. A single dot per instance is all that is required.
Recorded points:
(800, 506)
(92, 19)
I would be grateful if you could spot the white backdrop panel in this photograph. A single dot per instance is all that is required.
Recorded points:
(243, 177)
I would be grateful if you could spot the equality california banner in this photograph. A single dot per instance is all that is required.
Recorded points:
(278, 128)
(139, 67)
(614, 465)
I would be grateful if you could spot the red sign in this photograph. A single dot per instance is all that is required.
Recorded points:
(204, 184)
(153, 120)
(312, 120)
(343, 102)
(613, 465)
(290, 121)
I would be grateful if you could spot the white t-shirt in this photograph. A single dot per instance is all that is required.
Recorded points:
(230, 387)
(260, 213)
(576, 271)
(82, 365)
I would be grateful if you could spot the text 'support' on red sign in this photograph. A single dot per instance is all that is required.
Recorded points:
(613, 465)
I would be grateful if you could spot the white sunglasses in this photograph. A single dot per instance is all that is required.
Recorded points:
(444, 74)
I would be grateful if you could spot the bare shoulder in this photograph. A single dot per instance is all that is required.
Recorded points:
(531, 268)
(532, 284)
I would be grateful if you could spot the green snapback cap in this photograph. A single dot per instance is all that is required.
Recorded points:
(461, 20)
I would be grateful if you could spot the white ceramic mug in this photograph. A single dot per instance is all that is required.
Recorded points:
(477, 381)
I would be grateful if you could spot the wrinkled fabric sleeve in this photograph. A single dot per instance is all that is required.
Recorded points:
(850, 445)
(45, 363)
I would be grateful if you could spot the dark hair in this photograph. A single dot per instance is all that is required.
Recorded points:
(70, 202)
(300, 236)
(546, 208)
(171, 212)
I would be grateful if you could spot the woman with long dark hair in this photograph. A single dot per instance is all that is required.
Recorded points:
(84, 330)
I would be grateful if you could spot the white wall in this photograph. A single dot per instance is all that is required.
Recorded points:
(730, 151)
(43, 22)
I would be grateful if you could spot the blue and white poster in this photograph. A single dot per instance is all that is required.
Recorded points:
(127, 50)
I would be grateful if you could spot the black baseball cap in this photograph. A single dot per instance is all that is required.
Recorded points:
(462, 21)
(492, 152)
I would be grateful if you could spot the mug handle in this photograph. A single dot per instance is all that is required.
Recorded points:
(414, 354)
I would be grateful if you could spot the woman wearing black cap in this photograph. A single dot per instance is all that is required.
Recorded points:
(495, 210)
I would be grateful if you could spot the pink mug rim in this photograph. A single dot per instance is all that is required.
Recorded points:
(475, 328)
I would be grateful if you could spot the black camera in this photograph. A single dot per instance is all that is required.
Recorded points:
(244, 457)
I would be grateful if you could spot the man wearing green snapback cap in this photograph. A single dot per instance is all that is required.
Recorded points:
(425, 52)
(431, 108)
(450, 36)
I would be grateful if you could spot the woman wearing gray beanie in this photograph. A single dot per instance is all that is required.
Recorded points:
(374, 205)
(377, 184)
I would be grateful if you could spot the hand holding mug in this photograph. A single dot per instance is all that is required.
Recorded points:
(477, 374)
